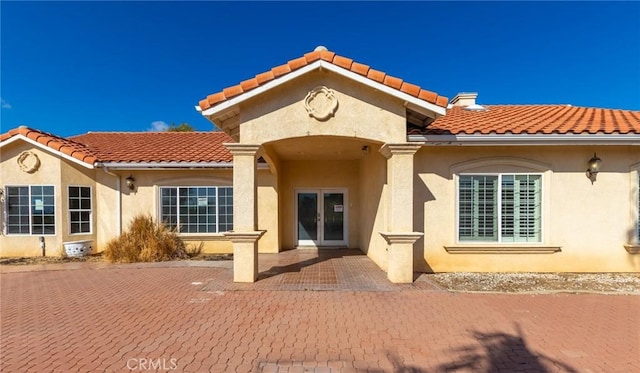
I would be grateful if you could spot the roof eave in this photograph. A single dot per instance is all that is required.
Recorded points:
(163, 165)
(411, 102)
(126, 166)
(55, 152)
(527, 139)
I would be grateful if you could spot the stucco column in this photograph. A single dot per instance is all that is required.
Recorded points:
(400, 235)
(244, 236)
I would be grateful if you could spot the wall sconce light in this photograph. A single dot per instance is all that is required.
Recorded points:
(130, 183)
(594, 167)
(365, 150)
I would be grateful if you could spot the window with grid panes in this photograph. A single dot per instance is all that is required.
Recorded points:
(30, 210)
(79, 209)
(197, 209)
(500, 208)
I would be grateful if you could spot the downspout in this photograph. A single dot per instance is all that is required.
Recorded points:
(119, 203)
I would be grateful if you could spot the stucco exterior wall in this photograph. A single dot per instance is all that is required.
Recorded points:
(589, 222)
(145, 199)
(373, 213)
(362, 112)
(55, 171)
(268, 212)
(316, 175)
(73, 174)
(107, 218)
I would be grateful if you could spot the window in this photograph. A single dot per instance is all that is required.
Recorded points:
(197, 209)
(31, 210)
(79, 209)
(500, 208)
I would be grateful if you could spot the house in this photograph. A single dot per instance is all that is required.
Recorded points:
(327, 152)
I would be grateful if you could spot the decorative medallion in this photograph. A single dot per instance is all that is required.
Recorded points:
(28, 161)
(321, 103)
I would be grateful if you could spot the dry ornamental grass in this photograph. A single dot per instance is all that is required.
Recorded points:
(145, 241)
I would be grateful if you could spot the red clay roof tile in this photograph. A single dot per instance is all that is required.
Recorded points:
(533, 119)
(312, 56)
(157, 146)
(232, 91)
(327, 55)
(340, 61)
(135, 147)
(393, 82)
(280, 70)
(264, 77)
(68, 147)
(428, 96)
(249, 84)
(215, 98)
(411, 89)
(442, 101)
(343, 62)
(360, 68)
(297, 63)
(376, 75)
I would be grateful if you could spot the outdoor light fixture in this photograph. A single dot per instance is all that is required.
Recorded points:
(130, 183)
(365, 150)
(594, 167)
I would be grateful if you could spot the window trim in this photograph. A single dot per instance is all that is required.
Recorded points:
(80, 210)
(499, 241)
(194, 234)
(30, 234)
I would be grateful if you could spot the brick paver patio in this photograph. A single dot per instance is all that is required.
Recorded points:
(317, 316)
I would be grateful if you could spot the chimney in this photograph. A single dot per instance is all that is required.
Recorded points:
(464, 99)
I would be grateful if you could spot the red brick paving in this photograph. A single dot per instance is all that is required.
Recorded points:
(94, 319)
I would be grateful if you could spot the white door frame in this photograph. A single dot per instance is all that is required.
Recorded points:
(321, 242)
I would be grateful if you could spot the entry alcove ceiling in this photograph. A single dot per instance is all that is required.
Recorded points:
(321, 148)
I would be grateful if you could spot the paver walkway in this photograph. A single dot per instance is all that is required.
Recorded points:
(181, 317)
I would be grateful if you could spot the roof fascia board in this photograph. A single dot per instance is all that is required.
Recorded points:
(224, 106)
(149, 165)
(167, 165)
(527, 139)
(414, 103)
(46, 148)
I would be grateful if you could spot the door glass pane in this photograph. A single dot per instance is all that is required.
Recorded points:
(333, 216)
(308, 216)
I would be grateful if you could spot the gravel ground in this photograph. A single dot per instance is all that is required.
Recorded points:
(623, 283)
(91, 258)
(540, 282)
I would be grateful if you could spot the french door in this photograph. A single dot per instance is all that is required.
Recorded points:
(321, 217)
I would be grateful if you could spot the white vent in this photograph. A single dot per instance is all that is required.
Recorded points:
(475, 107)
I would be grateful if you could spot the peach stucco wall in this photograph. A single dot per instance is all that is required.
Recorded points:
(362, 112)
(590, 223)
(317, 175)
(52, 171)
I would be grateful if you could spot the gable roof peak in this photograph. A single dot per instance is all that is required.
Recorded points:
(343, 65)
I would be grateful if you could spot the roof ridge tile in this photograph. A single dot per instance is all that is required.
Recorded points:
(308, 58)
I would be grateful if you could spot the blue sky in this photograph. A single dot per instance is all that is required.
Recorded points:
(73, 67)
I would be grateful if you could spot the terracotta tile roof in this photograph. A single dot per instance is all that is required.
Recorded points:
(533, 119)
(157, 146)
(69, 147)
(331, 57)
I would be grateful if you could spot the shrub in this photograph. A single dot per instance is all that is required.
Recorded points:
(145, 241)
(194, 250)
